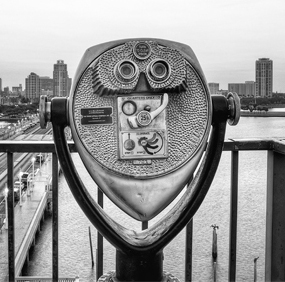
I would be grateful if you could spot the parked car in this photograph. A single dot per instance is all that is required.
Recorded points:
(18, 184)
(16, 194)
(39, 158)
(26, 177)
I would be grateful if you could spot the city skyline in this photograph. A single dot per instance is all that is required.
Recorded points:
(226, 36)
(58, 86)
(247, 86)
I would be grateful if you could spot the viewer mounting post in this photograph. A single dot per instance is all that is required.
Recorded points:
(129, 103)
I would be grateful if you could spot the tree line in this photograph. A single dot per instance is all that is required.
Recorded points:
(19, 109)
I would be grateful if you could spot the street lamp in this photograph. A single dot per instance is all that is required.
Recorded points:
(40, 163)
(33, 162)
(28, 186)
(20, 179)
(6, 191)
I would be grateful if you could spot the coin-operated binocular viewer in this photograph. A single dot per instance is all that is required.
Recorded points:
(141, 115)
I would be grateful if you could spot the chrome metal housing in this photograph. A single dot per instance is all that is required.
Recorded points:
(142, 187)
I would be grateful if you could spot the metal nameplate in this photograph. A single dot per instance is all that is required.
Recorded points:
(97, 116)
(142, 162)
(142, 50)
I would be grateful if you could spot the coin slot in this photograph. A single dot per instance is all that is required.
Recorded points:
(129, 108)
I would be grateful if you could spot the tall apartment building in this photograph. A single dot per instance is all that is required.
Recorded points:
(37, 86)
(264, 77)
(246, 89)
(17, 89)
(46, 84)
(0, 85)
(33, 90)
(250, 88)
(61, 81)
(214, 87)
(6, 90)
(238, 88)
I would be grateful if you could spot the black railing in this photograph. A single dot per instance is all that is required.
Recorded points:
(275, 210)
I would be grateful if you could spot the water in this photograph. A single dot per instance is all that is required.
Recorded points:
(74, 248)
(277, 110)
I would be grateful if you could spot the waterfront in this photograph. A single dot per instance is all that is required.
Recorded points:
(74, 247)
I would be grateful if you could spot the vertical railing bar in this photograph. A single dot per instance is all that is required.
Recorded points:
(11, 221)
(188, 251)
(233, 216)
(54, 217)
(188, 245)
(269, 215)
(275, 230)
(99, 253)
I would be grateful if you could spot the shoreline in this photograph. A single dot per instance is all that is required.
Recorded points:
(10, 120)
(261, 114)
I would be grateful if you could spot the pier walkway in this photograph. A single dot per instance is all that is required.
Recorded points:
(27, 217)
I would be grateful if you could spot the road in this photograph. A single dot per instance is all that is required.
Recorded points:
(22, 161)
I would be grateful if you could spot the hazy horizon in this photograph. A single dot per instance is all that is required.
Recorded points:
(226, 36)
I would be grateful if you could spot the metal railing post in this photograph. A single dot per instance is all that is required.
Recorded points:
(11, 221)
(188, 251)
(54, 218)
(275, 220)
(233, 216)
(99, 253)
(269, 207)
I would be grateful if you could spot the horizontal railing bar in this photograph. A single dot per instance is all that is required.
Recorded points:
(32, 146)
(249, 144)
(39, 278)
(269, 144)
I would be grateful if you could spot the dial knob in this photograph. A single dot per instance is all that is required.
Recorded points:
(129, 144)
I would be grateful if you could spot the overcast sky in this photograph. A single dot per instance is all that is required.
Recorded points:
(227, 36)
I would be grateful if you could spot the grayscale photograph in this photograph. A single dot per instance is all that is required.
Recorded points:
(142, 141)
